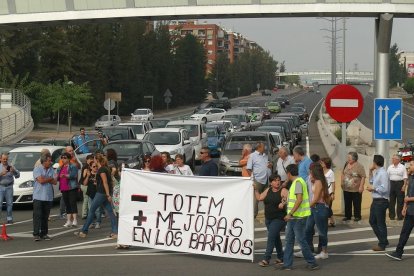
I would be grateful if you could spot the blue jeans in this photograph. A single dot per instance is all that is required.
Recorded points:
(319, 216)
(98, 212)
(98, 200)
(377, 220)
(7, 193)
(296, 228)
(405, 233)
(273, 238)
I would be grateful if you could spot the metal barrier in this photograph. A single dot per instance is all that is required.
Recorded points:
(19, 121)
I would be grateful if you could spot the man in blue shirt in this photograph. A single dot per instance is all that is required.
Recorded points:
(380, 191)
(42, 197)
(7, 175)
(408, 213)
(259, 166)
(81, 140)
(209, 167)
(303, 162)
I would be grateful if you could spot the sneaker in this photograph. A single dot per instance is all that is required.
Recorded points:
(286, 268)
(312, 266)
(36, 238)
(67, 224)
(80, 234)
(75, 223)
(357, 219)
(97, 225)
(378, 248)
(62, 216)
(346, 219)
(46, 238)
(322, 256)
(394, 255)
(298, 254)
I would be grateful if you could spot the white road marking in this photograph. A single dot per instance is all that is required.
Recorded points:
(344, 103)
(112, 244)
(97, 255)
(51, 248)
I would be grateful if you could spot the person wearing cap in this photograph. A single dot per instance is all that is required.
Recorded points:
(80, 141)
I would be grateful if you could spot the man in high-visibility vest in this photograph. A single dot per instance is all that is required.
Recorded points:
(298, 209)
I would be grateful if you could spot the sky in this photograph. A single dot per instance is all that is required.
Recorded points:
(303, 46)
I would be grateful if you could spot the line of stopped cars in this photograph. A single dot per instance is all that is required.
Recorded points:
(223, 130)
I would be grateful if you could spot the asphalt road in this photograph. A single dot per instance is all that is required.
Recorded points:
(349, 245)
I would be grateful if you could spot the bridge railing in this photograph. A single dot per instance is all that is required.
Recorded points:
(19, 120)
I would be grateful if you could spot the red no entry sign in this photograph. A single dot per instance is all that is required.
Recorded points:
(344, 103)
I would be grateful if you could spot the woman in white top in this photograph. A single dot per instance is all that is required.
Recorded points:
(326, 164)
(168, 162)
(180, 167)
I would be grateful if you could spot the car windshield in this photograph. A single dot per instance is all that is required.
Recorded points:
(211, 132)
(24, 161)
(125, 149)
(236, 143)
(163, 138)
(191, 129)
(253, 110)
(116, 134)
(140, 112)
(159, 123)
(276, 138)
(138, 129)
(105, 118)
(202, 111)
(296, 109)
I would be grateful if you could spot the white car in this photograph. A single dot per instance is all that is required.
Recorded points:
(174, 141)
(139, 128)
(209, 114)
(24, 159)
(197, 132)
(107, 121)
(142, 114)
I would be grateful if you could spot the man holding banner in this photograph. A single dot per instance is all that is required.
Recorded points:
(298, 209)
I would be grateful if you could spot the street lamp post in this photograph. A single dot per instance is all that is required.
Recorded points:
(70, 109)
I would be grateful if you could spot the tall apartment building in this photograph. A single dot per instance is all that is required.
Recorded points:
(214, 38)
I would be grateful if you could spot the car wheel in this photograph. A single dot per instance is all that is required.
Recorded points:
(204, 120)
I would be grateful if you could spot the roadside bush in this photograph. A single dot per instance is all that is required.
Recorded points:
(338, 135)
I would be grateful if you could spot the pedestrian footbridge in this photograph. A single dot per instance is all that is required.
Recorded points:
(20, 11)
(15, 117)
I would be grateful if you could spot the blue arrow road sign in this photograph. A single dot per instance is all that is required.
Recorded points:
(388, 119)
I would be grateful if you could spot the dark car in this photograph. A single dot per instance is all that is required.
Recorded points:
(281, 130)
(300, 105)
(231, 153)
(159, 123)
(297, 122)
(266, 114)
(285, 98)
(296, 130)
(281, 101)
(131, 152)
(289, 131)
(221, 103)
(119, 133)
(303, 115)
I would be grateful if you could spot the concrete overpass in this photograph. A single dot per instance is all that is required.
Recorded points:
(325, 76)
(21, 11)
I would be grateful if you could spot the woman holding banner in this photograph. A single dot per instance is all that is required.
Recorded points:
(274, 199)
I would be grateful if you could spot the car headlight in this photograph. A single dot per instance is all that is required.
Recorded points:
(27, 184)
(173, 152)
(224, 159)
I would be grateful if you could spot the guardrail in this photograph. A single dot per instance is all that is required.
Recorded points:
(19, 122)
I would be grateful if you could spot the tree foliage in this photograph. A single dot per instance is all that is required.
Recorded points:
(409, 85)
(124, 57)
(398, 73)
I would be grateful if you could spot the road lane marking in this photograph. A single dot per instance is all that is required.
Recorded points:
(344, 103)
(98, 255)
(51, 248)
(387, 249)
(337, 232)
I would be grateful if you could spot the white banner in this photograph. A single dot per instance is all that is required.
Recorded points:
(200, 215)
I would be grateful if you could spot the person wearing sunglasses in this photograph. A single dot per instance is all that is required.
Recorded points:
(90, 182)
(146, 163)
(67, 175)
(209, 167)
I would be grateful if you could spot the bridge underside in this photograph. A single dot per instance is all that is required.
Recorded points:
(26, 11)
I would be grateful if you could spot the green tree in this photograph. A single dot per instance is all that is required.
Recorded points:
(398, 73)
(409, 85)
